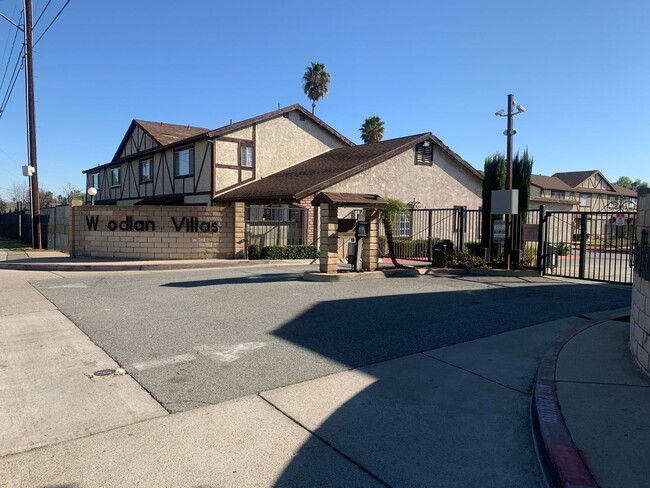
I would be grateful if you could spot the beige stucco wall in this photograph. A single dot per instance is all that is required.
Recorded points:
(139, 141)
(226, 152)
(640, 311)
(282, 142)
(160, 239)
(442, 185)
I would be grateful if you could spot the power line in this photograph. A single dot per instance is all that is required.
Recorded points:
(52, 22)
(12, 84)
(42, 12)
(11, 53)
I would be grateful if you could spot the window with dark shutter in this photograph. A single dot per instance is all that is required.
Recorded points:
(424, 153)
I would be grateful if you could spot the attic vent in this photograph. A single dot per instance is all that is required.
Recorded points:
(424, 153)
(302, 117)
(286, 115)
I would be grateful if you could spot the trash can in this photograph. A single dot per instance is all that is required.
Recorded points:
(440, 250)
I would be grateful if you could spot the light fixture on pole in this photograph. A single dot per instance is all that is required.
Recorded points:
(92, 191)
(513, 109)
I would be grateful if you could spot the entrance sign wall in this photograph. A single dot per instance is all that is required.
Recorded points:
(158, 232)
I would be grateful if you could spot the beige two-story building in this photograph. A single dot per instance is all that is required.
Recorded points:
(584, 191)
(167, 164)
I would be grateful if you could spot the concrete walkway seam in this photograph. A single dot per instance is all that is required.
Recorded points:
(561, 460)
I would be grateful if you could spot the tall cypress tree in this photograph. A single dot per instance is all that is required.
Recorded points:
(522, 170)
(494, 178)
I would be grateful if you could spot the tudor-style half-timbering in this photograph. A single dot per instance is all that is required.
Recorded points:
(161, 163)
(587, 191)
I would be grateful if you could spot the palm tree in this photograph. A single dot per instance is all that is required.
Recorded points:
(372, 130)
(387, 216)
(315, 83)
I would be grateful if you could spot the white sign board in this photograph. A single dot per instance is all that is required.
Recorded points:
(620, 220)
(499, 231)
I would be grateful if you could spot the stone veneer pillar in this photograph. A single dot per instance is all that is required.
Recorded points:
(640, 311)
(329, 221)
(370, 252)
(239, 238)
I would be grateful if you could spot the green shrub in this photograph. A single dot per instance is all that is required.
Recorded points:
(289, 252)
(464, 260)
(475, 248)
(529, 256)
(563, 249)
(254, 251)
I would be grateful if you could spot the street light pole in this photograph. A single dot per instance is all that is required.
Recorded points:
(508, 250)
(509, 133)
(31, 125)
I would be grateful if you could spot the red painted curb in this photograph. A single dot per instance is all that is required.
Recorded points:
(564, 462)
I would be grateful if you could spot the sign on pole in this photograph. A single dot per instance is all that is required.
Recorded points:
(499, 232)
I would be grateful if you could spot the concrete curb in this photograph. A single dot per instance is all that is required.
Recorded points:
(561, 460)
(140, 266)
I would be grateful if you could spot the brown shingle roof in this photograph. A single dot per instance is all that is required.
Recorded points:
(166, 134)
(624, 191)
(324, 170)
(319, 172)
(574, 178)
(550, 183)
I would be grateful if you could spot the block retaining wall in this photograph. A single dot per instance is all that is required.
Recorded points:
(158, 232)
(640, 311)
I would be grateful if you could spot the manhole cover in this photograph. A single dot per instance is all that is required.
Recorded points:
(104, 372)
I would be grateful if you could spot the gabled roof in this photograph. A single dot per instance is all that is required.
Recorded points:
(624, 191)
(329, 168)
(549, 183)
(166, 134)
(162, 133)
(569, 182)
(319, 172)
(574, 178)
(277, 113)
(174, 134)
(364, 200)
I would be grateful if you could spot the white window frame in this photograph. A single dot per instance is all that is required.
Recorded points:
(116, 179)
(149, 162)
(94, 180)
(558, 195)
(187, 163)
(585, 199)
(246, 159)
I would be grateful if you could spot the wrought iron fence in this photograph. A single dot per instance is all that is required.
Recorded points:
(416, 232)
(595, 246)
(275, 225)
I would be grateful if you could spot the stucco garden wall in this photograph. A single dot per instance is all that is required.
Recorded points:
(640, 312)
(158, 232)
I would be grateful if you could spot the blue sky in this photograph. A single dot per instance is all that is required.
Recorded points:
(580, 67)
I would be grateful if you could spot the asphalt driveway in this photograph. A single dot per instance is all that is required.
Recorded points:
(201, 337)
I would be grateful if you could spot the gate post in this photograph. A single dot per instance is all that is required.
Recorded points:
(541, 240)
(583, 245)
(461, 229)
(430, 237)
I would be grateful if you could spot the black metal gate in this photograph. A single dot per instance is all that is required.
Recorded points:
(596, 246)
(416, 232)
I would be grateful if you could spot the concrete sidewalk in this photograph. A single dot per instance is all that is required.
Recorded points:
(602, 398)
(453, 416)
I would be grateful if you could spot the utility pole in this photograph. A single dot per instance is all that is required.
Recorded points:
(31, 125)
(510, 133)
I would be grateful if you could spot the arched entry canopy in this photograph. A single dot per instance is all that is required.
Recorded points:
(329, 204)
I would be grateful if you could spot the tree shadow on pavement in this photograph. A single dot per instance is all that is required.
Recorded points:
(243, 280)
(412, 420)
